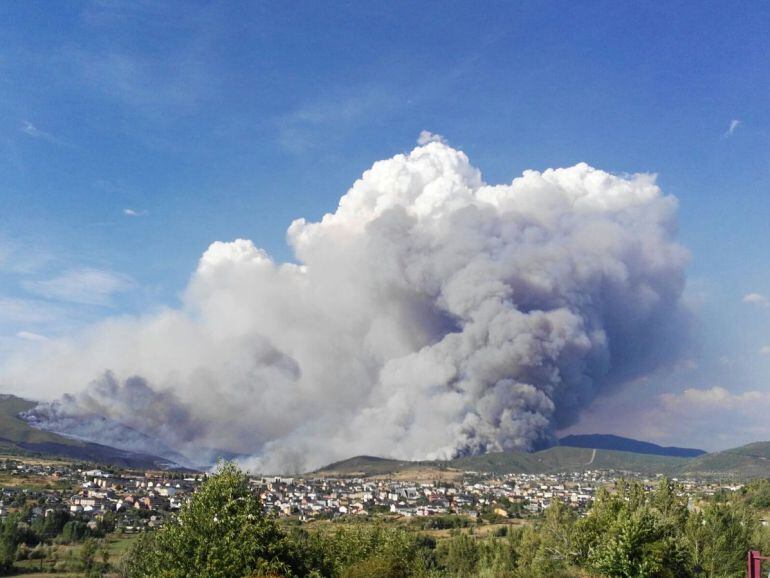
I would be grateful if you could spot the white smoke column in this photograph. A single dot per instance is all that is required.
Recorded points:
(430, 315)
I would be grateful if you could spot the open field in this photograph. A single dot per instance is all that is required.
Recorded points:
(65, 558)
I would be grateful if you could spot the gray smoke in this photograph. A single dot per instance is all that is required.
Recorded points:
(431, 315)
(129, 414)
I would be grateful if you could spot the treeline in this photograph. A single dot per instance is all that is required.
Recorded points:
(630, 533)
(24, 536)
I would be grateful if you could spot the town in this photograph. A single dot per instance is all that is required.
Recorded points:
(138, 500)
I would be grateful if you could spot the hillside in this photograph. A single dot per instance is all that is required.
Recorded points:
(366, 466)
(618, 443)
(17, 437)
(369, 466)
(563, 459)
(556, 459)
(749, 461)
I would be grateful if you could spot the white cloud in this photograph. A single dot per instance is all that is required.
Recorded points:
(764, 350)
(85, 286)
(457, 316)
(31, 336)
(134, 213)
(714, 398)
(731, 129)
(426, 137)
(756, 299)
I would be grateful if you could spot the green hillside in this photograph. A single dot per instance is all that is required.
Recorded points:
(569, 459)
(749, 461)
(552, 460)
(365, 466)
(14, 431)
(17, 437)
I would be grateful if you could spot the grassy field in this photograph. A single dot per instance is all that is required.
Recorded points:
(65, 559)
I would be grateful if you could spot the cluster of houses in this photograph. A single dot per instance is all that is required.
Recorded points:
(145, 497)
(153, 495)
(334, 497)
(149, 493)
(102, 491)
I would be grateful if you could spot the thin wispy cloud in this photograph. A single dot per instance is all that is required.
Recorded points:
(83, 286)
(22, 257)
(764, 350)
(134, 212)
(31, 336)
(31, 130)
(756, 299)
(158, 90)
(734, 124)
(310, 125)
(27, 311)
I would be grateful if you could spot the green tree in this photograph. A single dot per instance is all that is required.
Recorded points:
(719, 538)
(459, 555)
(220, 533)
(635, 534)
(548, 549)
(88, 555)
(641, 544)
(357, 550)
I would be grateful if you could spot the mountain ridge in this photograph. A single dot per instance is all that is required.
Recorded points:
(624, 444)
(743, 462)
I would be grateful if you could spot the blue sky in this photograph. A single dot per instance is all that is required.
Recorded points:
(133, 134)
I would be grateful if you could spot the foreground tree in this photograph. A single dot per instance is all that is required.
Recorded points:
(220, 533)
(635, 534)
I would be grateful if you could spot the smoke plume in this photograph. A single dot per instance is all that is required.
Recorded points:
(430, 315)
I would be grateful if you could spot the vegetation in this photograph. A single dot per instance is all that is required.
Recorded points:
(629, 533)
(220, 533)
(39, 543)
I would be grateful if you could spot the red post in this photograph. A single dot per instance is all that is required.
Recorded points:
(755, 564)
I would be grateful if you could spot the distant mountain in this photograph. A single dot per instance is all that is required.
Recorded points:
(621, 444)
(17, 437)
